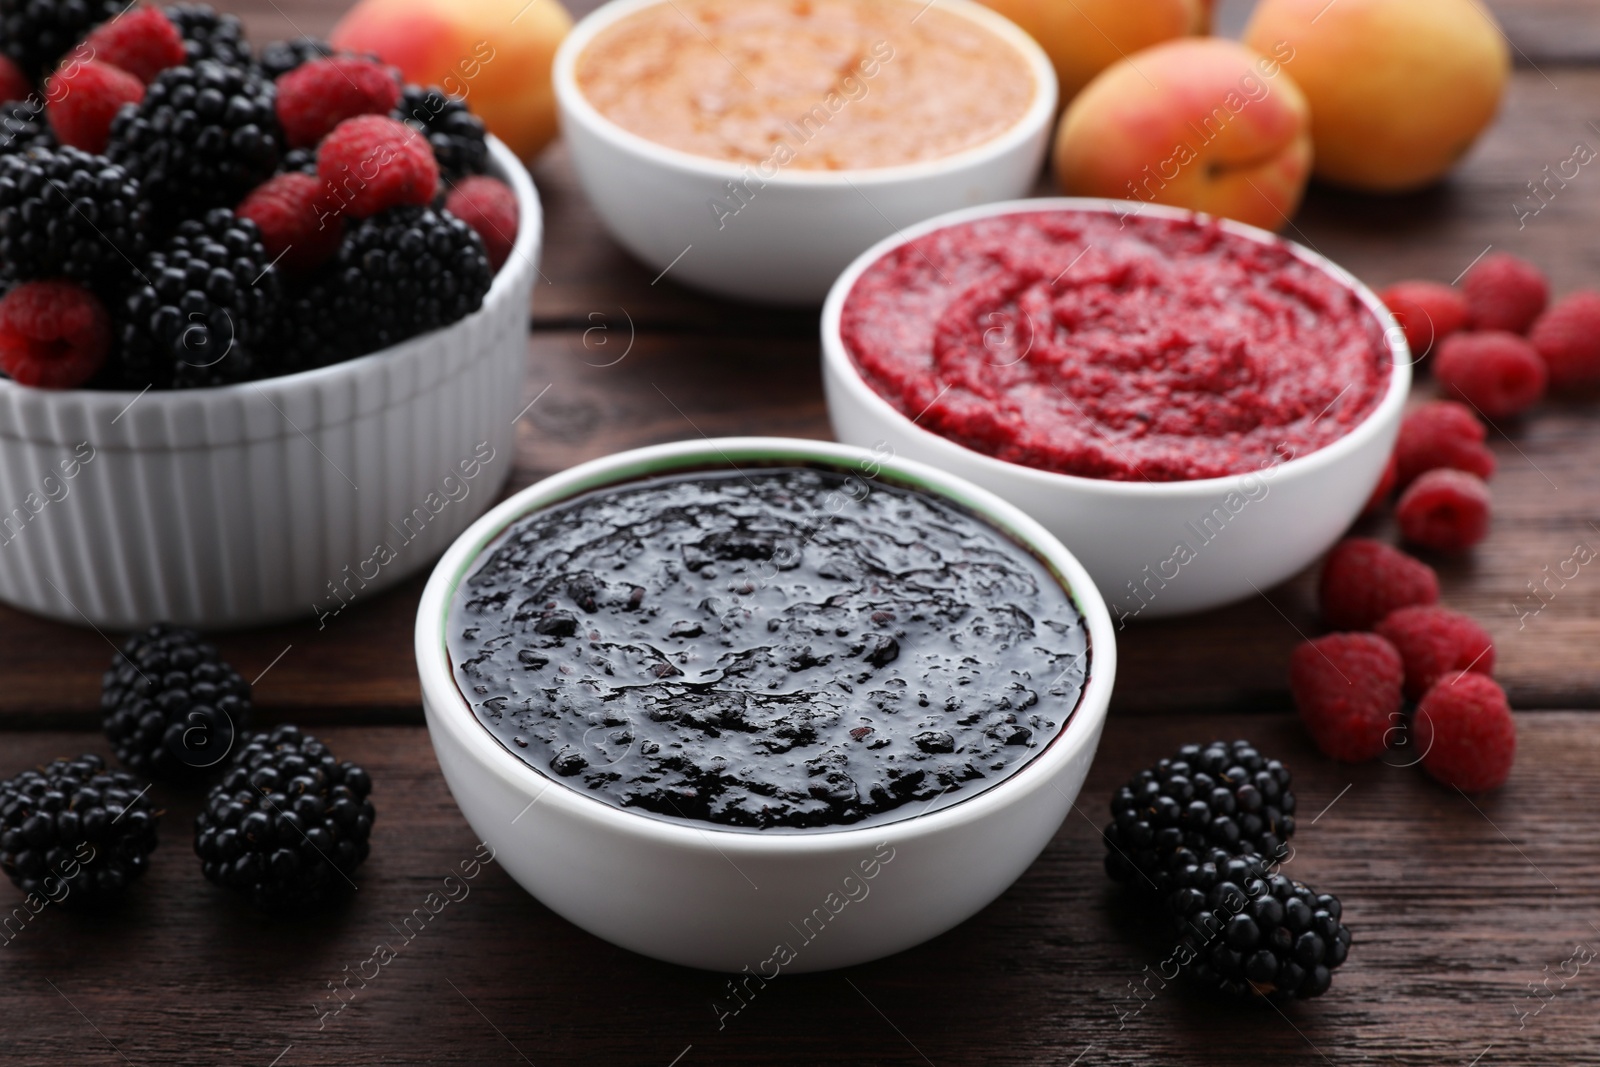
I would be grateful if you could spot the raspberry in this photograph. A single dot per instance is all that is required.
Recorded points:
(1498, 373)
(1465, 731)
(54, 334)
(1364, 580)
(1384, 489)
(316, 97)
(1504, 292)
(1567, 338)
(490, 207)
(1347, 688)
(298, 220)
(373, 162)
(142, 41)
(1434, 641)
(14, 84)
(1445, 510)
(1442, 433)
(1428, 312)
(84, 97)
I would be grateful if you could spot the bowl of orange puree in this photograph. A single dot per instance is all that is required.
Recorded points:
(753, 148)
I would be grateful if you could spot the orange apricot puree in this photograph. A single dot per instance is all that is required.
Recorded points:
(813, 84)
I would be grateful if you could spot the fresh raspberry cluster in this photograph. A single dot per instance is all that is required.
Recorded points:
(1399, 668)
(1497, 342)
(1496, 349)
(161, 116)
(1397, 645)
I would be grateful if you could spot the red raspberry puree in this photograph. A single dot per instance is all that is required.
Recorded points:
(1129, 348)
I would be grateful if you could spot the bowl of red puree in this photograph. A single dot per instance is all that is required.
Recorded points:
(1196, 407)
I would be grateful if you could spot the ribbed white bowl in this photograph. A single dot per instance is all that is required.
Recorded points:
(261, 501)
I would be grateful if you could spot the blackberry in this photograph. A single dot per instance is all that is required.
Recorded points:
(318, 325)
(288, 824)
(406, 271)
(74, 832)
(23, 126)
(209, 35)
(199, 319)
(1219, 795)
(203, 137)
(301, 159)
(455, 133)
(172, 707)
(1246, 929)
(66, 212)
(280, 57)
(35, 34)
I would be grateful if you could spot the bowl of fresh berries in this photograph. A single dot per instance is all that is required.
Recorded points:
(262, 318)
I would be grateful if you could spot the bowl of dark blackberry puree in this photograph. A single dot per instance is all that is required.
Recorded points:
(763, 704)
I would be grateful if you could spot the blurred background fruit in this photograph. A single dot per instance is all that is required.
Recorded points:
(1399, 89)
(1084, 37)
(495, 54)
(1200, 123)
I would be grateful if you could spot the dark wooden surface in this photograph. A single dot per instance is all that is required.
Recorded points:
(1457, 905)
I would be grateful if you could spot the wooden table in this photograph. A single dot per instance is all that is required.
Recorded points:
(1466, 912)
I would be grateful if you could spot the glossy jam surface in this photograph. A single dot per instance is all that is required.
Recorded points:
(1135, 349)
(777, 648)
(811, 84)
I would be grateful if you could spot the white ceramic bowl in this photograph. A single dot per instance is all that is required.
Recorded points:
(801, 227)
(724, 899)
(261, 501)
(1127, 533)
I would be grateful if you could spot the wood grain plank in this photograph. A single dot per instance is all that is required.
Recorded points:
(1456, 907)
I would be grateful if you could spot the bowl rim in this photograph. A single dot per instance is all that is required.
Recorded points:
(836, 357)
(450, 711)
(114, 402)
(575, 105)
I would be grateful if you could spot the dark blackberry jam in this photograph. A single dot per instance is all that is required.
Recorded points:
(778, 648)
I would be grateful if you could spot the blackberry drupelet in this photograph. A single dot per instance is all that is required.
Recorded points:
(300, 159)
(280, 57)
(23, 126)
(172, 706)
(318, 325)
(455, 133)
(288, 824)
(406, 271)
(66, 212)
(209, 35)
(210, 297)
(35, 34)
(1247, 929)
(203, 137)
(74, 832)
(1220, 795)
